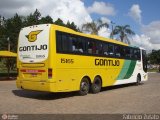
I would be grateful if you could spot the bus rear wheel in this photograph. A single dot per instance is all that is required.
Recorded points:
(84, 87)
(96, 85)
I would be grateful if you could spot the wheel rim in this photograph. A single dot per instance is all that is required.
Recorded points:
(138, 80)
(96, 86)
(84, 87)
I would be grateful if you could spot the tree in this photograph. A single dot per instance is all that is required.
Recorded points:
(59, 22)
(72, 26)
(94, 26)
(46, 20)
(123, 32)
(33, 19)
(2, 32)
(12, 28)
(154, 57)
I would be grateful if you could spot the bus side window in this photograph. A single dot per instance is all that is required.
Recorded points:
(105, 49)
(128, 53)
(77, 44)
(81, 45)
(74, 46)
(74, 43)
(137, 54)
(99, 48)
(131, 52)
(94, 47)
(64, 40)
(59, 42)
(123, 52)
(111, 50)
(90, 46)
(117, 51)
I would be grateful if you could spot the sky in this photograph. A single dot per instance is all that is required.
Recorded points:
(142, 15)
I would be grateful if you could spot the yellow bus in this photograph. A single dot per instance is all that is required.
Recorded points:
(57, 59)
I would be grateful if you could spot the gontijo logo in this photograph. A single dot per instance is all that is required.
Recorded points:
(32, 36)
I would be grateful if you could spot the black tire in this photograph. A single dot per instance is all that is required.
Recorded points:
(96, 85)
(138, 80)
(84, 87)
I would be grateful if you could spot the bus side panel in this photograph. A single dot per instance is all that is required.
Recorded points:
(69, 74)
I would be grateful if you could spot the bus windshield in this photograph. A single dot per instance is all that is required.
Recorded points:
(144, 57)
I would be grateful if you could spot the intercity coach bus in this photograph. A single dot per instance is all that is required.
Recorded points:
(57, 59)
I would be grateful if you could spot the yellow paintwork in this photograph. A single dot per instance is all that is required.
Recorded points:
(67, 76)
(7, 54)
(33, 35)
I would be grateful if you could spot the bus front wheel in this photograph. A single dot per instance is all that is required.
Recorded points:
(84, 87)
(96, 85)
(138, 79)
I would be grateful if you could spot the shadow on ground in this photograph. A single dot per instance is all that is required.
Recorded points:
(53, 96)
(43, 95)
(7, 78)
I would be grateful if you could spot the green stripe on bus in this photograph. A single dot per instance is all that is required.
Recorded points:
(130, 69)
(124, 70)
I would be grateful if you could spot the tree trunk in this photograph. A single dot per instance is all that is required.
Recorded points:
(8, 71)
(121, 37)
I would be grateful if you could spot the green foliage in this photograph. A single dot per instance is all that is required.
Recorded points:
(123, 32)
(2, 33)
(69, 25)
(46, 20)
(72, 26)
(10, 28)
(59, 22)
(154, 57)
(32, 19)
(94, 26)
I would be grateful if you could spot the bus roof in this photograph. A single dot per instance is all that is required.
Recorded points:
(68, 30)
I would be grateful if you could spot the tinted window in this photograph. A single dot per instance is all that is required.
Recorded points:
(77, 44)
(99, 47)
(111, 50)
(144, 57)
(128, 52)
(105, 48)
(91, 46)
(117, 50)
(136, 54)
(69, 43)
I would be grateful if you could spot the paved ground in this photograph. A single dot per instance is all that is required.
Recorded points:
(123, 99)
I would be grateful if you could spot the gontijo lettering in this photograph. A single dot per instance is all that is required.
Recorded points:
(106, 62)
(33, 48)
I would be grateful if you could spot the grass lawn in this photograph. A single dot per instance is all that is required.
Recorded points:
(152, 70)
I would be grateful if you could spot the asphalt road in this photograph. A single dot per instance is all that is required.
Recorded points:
(144, 98)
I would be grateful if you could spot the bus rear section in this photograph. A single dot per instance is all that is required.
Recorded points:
(32, 61)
